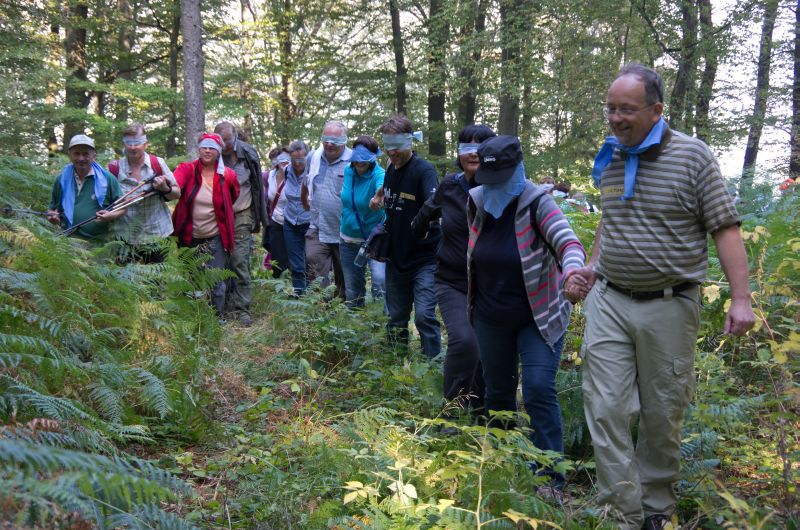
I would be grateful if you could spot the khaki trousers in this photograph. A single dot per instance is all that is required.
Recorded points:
(638, 364)
(239, 293)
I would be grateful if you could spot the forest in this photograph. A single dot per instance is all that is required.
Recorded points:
(125, 403)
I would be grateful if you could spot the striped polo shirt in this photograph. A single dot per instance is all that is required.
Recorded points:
(658, 237)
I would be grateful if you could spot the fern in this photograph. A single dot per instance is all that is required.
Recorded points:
(91, 485)
(17, 395)
(106, 401)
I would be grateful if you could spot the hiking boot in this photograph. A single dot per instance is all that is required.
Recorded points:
(245, 320)
(658, 522)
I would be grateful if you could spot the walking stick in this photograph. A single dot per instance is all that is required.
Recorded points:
(8, 211)
(115, 208)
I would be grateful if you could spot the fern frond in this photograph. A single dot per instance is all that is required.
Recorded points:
(149, 517)
(107, 402)
(18, 395)
(24, 342)
(153, 391)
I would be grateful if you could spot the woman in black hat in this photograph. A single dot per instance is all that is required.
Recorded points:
(521, 249)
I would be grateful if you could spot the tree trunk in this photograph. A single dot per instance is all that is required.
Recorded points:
(245, 66)
(794, 161)
(438, 30)
(174, 50)
(684, 78)
(399, 58)
(762, 90)
(285, 44)
(193, 73)
(125, 37)
(50, 100)
(75, 47)
(467, 103)
(702, 122)
(526, 125)
(508, 122)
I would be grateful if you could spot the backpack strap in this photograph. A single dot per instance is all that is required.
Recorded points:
(154, 165)
(534, 207)
(113, 166)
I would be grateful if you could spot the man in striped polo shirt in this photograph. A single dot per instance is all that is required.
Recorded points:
(661, 194)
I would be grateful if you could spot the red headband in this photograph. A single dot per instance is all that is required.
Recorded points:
(212, 136)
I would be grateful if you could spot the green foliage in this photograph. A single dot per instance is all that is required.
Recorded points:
(94, 356)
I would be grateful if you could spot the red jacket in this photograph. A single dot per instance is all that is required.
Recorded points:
(224, 192)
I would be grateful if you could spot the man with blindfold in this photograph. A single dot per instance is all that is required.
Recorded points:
(322, 196)
(409, 182)
(149, 221)
(249, 214)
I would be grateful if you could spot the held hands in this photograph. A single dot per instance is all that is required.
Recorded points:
(579, 283)
(740, 317)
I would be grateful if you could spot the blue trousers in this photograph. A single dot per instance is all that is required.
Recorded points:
(413, 289)
(355, 282)
(507, 352)
(295, 238)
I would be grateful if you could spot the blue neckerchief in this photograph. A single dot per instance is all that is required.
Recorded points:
(603, 158)
(68, 188)
(497, 196)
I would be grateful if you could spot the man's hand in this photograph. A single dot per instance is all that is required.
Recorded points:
(740, 317)
(161, 184)
(53, 216)
(104, 216)
(579, 283)
(376, 202)
(732, 257)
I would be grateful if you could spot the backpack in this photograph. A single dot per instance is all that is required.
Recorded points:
(113, 166)
(534, 207)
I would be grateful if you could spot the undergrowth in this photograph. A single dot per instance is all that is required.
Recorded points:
(124, 404)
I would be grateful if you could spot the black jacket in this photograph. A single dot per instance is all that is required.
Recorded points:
(450, 204)
(406, 191)
(257, 206)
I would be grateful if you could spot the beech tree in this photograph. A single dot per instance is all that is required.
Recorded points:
(193, 73)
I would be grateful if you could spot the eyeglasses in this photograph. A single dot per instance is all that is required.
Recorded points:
(624, 112)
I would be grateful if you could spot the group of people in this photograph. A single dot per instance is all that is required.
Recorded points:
(219, 205)
(491, 249)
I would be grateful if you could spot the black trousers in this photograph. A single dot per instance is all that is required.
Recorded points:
(277, 247)
(463, 374)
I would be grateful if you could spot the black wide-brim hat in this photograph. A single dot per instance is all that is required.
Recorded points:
(500, 156)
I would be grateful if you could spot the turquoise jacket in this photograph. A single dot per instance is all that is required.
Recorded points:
(361, 188)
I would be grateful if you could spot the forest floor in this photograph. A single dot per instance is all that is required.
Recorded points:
(316, 425)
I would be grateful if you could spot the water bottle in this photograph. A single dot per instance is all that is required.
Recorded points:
(361, 257)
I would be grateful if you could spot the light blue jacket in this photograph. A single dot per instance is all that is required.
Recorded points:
(361, 188)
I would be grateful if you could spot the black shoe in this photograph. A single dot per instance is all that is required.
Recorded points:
(245, 320)
(657, 522)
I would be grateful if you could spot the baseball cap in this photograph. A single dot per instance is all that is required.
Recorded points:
(81, 139)
(499, 156)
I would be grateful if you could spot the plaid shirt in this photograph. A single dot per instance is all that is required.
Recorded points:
(148, 219)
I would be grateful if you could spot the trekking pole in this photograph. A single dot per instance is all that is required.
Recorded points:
(8, 211)
(138, 187)
(117, 206)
